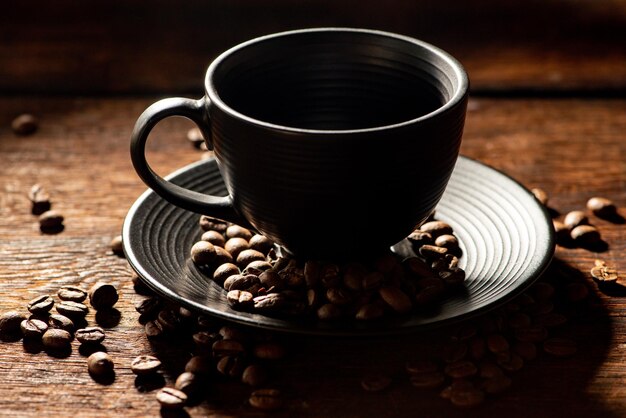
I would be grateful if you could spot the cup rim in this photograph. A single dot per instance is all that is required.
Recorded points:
(455, 65)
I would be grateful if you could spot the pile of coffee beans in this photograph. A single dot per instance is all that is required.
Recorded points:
(257, 279)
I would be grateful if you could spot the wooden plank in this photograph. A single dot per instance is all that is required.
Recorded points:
(556, 45)
(572, 148)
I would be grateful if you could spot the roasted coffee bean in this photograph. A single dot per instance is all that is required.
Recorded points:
(436, 228)
(477, 347)
(541, 195)
(418, 238)
(40, 305)
(205, 339)
(468, 398)
(257, 267)
(254, 375)
(209, 223)
(100, 364)
(195, 137)
(240, 299)
(233, 333)
(261, 243)
(149, 306)
(460, 369)
(214, 238)
(560, 347)
(72, 309)
(271, 279)
(168, 320)
(293, 277)
(497, 384)
(235, 246)
(489, 369)
(222, 256)
(223, 348)
(533, 334)
(372, 280)
(40, 199)
(338, 296)
(561, 231)
(103, 296)
(427, 296)
(50, 220)
(541, 307)
(188, 383)
(231, 366)
(170, 398)
(272, 302)
(225, 271)
(240, 282)
(11, 321)
(328, 312)
(453, 277)
(269, 351)
(604, 273)
(116, 245)
(454, 351)
(90, 335)
(586, 235)
(207, 322)
(519, 320)
(575, 218)
(550, 320)
(417, 267)
(25, 124)
(510, 362)
(72, 294)
(33, 328)
(525, 349)
(427, 380)
(375, 383)
(575, 292)
(329, 275)
(246, 257)
(145, 365)
(385, 263)
(236, 231)
(153, 329)
(200, 365)
(266, 399)
(312, 272)
(203, 253)
(353, 275)
(56, 338)
(313, 298)
(497, 343)
(396, 299)
(61, 322)
(542, 291)
(370, 311)
(431, 252)
(447, 241)
(602, 207)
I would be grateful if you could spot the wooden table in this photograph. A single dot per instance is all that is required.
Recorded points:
(547, 124)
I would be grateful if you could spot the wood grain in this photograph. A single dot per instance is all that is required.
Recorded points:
(165, 46)
(572, 148)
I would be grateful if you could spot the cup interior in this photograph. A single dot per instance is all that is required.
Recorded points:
(335, 80)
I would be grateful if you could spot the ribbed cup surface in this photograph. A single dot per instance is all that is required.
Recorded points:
(333, 134)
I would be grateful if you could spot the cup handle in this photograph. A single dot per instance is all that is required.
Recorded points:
(217, 206)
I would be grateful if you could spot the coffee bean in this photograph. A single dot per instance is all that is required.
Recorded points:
(270, 303)
(418, 238)
(223, 348)
(145, 365)
(214, 238)
(222, 256)
(562, 232)
(153, 329)
(11, 321)
(447, 241)
(576, 292)
(525, 349)
(509, 361)
(338, 296)
(396, 299)
(90, 335)
(254, 375)
(436, 228)
(372, 280)
(75, 310)
(240, 299)
(586, 235)
(489, 370)
(453, 277)
(266, 399)
(236, 231)
(40, 199)
(168, 320)
(195, 137)
(468, 398)
(25, 124)
(231, 366)
(271, 279)
(72, 293)
(602, 207)
(330, 275)
(427, 380)
(257, 267)
(33, 328)
(116, 245)
(204, 339)
(604, 273)
(497, 343)
(370, 311)
(40, 305)
(385, 263)
(149, 307)
(261, 243)
(531, 334)
(551, 320)
(518, 320)
(100, 364)
(575, 218)
(421, 366)
(61, 322)
(497, 384)
(540, 195)
(170, 398)
(240, 282)
(328, 312)
(233, 333)
(236, 245)
(203, 253)
(246, 257)
(50, 220)
(224, 271)
(269, 351)
(188, 383)
(56, 338)
(103, 296)
(200, 365)
(209, 223)
(460, 369)
(560, 347)
(375, 383)
(431, 252)
(454, 351)
(429, 295)
(312, 271)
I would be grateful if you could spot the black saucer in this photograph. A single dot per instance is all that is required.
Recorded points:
(506, 236)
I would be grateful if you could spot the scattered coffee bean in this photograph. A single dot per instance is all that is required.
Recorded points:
(222, 256)
(254, 375)
(575, 218)
(266, 399)
(10, 322)
(33, 328)
(72, 309)
(209, 223)
(40, 199)
(431, 252)
(72, 293)
(246, 257)
(55, 338)
(103, 296)
(603, 273)
(602, 207)
(236, 245)
(541, 195)
(61, 322)
(269, 351)
(560, 347)
(195, 137)
(25, 124)
(90, 335)
(117, 246)
(257, 267)
(40, 305)
(100, 364)
(203, 253)
(170, 398)
(188, 383)
(418, 238)
(214, 238)
(586, 235)
(145, 365)
(375, 383)
(50, 220)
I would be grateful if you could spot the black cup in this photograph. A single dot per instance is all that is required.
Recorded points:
(333, 142)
